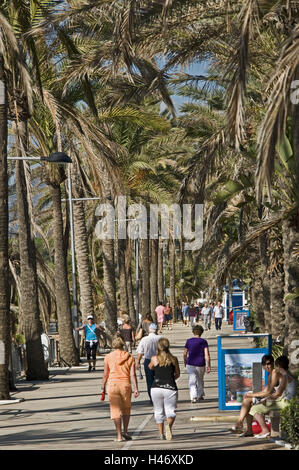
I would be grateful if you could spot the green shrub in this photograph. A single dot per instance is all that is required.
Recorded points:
(290, 422)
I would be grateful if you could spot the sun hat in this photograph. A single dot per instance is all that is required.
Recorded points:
(153, 326)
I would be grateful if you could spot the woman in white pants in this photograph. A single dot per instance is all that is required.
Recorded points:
(197, 361)
(164, 390)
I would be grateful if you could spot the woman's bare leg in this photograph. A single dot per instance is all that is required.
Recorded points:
(261, 420)
(246, 405)
(117, 423)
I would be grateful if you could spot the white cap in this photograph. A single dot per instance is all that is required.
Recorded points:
(90, 317)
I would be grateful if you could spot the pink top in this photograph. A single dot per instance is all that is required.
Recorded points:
(160, 313)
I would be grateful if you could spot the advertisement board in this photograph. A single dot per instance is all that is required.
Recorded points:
(235, 372)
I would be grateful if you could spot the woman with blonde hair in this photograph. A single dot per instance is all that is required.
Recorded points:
(164, 390)
(119, 373)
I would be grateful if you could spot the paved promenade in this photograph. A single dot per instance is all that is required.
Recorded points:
(65, 413)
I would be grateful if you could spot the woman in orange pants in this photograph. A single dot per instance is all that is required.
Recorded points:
(119, 372)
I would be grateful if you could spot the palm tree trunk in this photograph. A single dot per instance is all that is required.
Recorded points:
(29, 301)
(109, 287)
(161, 286)
(123, 281)
(68, 350)
(81, 247)
(277, 303)
(291, 270)
(172, 274)
(4, 269)
(264, 260)
(256, 295)
(82, 257)
(145, 276)
(154, 276)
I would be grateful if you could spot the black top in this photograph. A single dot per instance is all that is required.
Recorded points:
(164, 377)
(126, 334)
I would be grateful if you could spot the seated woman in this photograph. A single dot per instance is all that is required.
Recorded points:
(277, 399)
(251, 398)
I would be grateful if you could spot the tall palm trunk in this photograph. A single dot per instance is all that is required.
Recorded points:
(123, 280)
(81, 247)
(110, 313)
(145, 276)
(264, 260)
(29, 301)
(4, 270)
(172, 273)
(161, 286)
(277, 303)
(291, 270)
(67, 346)
(154, 275)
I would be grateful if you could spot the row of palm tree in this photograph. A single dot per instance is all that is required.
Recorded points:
(88, 78)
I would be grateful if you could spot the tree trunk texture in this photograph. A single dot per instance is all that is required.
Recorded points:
(291, 271)
(154, 276)
(257, 300)
(68, 350)
(4, 265)
(161, 286)
(264, 260)
(172, 273)
(110, 313)
(131, 307)
(145, 276)
(82, 251)
(29, 300)
(277, 304)
(123, 281)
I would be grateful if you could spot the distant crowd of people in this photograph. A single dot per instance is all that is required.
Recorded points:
(162, 370)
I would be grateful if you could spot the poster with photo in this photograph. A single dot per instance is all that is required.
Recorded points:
(235, 368)
(238, 375)
(238, 319)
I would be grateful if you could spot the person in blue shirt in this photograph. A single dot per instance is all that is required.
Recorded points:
(91, 341)
(185, 311)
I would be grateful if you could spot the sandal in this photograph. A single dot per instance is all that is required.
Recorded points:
(262, 436)
(127, 437)
(236, 430)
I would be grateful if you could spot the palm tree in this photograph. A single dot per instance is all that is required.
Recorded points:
(4, 287)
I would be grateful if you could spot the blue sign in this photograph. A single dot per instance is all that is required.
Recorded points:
(235, 371)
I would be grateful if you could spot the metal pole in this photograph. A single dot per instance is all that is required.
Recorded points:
(74, 279)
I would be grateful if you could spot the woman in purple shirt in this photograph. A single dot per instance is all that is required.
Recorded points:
(197, 361)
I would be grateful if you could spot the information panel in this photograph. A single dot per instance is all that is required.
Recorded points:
(235, 371)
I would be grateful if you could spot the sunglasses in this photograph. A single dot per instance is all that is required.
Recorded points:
(268, 364)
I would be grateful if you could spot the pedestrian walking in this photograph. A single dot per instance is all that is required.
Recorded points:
(92, 331)
(218, 315)
(147, 348)
(160, 311)
(197, 309)
(168, 316)
(192, 315)
(164, 390)
(119, 374)
(197, 361)
(185, 310)
(207, 315)
(126, 331)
